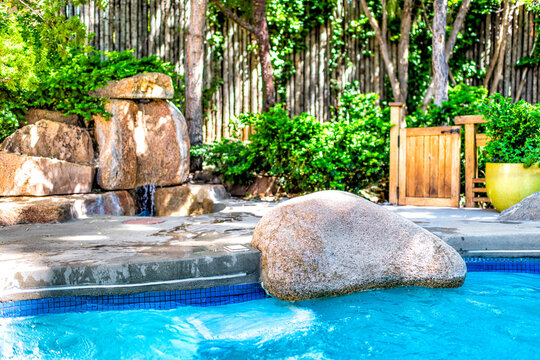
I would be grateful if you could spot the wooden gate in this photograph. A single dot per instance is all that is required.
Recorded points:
(424, 164)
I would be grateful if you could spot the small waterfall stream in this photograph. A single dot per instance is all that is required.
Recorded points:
(144, 202)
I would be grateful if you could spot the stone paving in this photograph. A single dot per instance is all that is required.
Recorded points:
(102, 255)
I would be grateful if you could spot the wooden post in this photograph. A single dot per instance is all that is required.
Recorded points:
(470, 163)
(398, 122)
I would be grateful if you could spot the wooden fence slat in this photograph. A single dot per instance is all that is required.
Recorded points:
(153, 27)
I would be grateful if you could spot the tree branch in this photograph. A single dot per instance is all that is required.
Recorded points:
(403, 47)
(498, 49)
(384, 20)
(456, 27)
(450, 43)
(32, 9)
(231, 15)
(384, 51)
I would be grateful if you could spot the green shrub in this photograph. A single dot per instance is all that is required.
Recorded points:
(65, 88)
(230, 159)
(513, 131)
(462, 100)
(308, 155)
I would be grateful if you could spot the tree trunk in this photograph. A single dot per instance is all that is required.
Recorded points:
(385, 53)
(450, 43)
(440, 65)
(194, 73)
(260, 30)
(403, 49)
(263, 42)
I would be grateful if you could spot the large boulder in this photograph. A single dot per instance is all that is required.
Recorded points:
(332, 243)
(117, 155)
(162, 144)
(142, 86)
(35, 115)
(53, 209)
(142, 144)
(189, 200)
(51, 139)
(38, 176)
(526, 209)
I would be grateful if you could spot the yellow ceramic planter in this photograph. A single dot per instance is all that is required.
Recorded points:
(508, 184)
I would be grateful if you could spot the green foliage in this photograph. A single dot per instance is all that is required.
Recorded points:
(462, 100)
(229, 157)
(513, 131)
(289, 22)
(19, 64)
(33, 37)
(65, 88)
(308, 155)
(8, 123)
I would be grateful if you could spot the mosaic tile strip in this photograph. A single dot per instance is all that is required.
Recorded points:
(515, 265)
(223, 295)
(161, 300)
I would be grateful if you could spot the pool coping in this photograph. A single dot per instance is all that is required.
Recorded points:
(207, 296)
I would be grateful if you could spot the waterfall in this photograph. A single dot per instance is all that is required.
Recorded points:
(144, 200)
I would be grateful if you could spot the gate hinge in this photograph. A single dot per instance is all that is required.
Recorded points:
(397, 192)
(398, 140)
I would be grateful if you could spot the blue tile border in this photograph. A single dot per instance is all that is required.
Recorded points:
(515, 265)
(161, 300)
(223, 295)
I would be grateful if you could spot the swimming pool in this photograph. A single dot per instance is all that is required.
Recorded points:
(493, 315)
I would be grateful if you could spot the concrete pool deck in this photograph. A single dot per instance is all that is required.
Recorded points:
(105, 255)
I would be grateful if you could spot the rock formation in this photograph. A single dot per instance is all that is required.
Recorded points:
(144, 142)
(526, 209)
(38, 176)
(52, 139)
(332, 243)
(117, 155)
(189, 199)
(141, 86)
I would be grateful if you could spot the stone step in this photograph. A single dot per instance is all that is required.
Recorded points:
(54, 209)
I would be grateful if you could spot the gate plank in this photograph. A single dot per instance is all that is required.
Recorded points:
(402, 160)
(442, 152)
(434, 166)
(410, 167)
(447, 167)
(456, 167)
(420, 163)
(426, 165)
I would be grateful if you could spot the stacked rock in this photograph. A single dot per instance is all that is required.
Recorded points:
(146, 140)
(46, 158)
(46, 173)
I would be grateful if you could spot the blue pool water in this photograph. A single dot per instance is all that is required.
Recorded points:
(494, 315)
